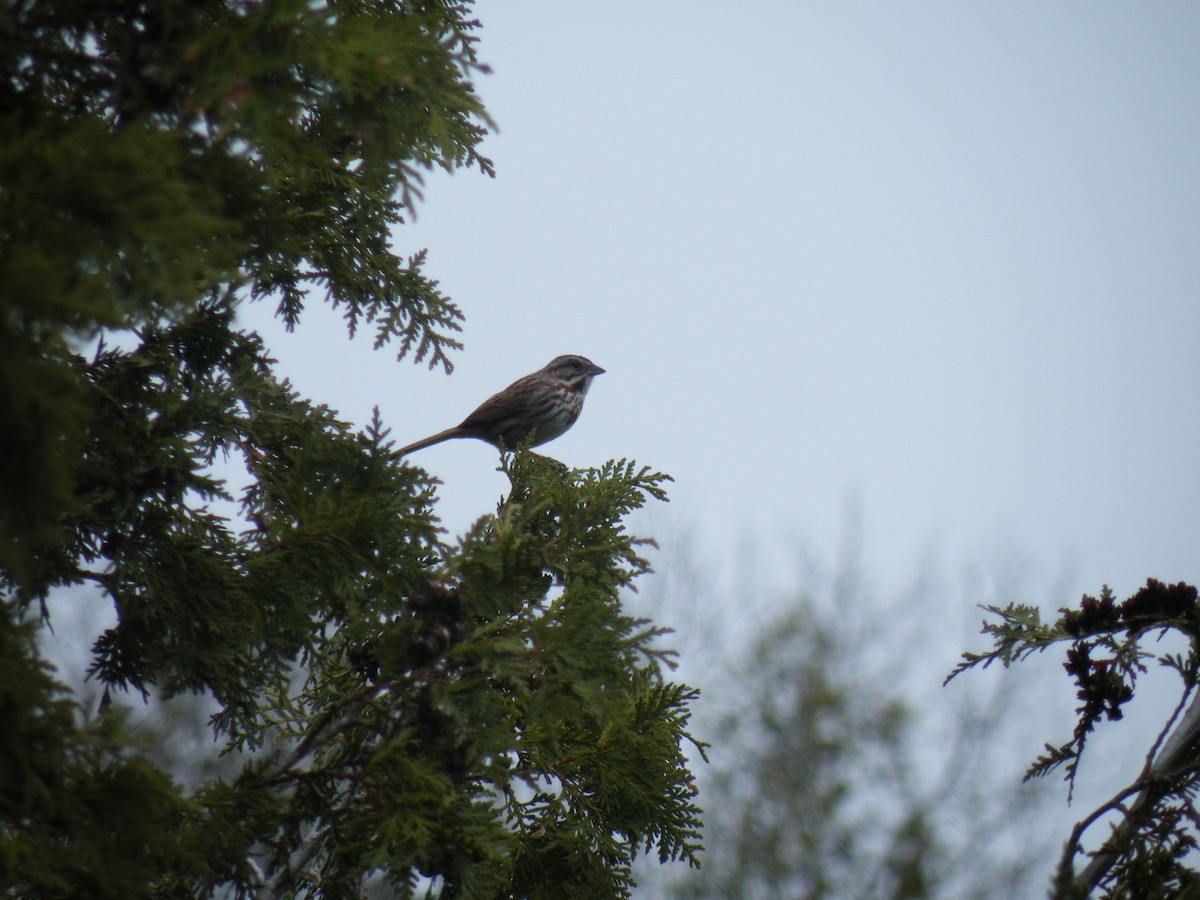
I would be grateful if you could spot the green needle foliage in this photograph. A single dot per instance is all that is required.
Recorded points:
(1154, 824)
(159, 155)
(477, 718)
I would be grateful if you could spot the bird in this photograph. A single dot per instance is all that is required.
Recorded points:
(545, 403)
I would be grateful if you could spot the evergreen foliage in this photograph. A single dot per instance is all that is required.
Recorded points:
(1153, 822)
(160, 154)
(479, 713)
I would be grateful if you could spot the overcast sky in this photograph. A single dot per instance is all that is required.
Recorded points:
(940, 258)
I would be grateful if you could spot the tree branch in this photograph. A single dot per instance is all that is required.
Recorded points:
(336, 720)
(1152, 783)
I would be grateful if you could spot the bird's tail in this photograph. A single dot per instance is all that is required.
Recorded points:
(448, 434)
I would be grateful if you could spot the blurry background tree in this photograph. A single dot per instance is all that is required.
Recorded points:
(840, 766)
(481, 717)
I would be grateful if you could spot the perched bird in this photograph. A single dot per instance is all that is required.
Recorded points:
(546, 403)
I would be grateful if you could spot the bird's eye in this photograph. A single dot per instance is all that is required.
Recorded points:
(574, 364)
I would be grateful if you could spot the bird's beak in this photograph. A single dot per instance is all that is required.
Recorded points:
(596, 370)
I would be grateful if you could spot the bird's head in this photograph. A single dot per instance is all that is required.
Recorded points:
(577, 371)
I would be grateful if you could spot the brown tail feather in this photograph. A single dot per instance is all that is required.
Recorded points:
(449, 433)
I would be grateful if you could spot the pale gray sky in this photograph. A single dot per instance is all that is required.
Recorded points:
(943, 256)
